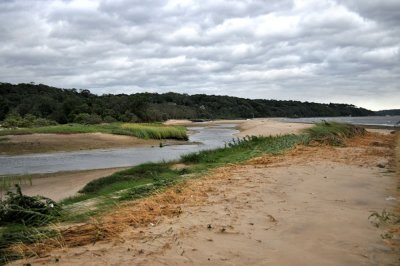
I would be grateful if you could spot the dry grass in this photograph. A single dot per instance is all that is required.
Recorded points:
(140, 213)
(360, 150)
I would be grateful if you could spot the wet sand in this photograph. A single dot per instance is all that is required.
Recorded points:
(40, 143)
(58, 186)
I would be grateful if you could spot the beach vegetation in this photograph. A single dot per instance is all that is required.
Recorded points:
(142, 130)
(333, 133)
(17, 208)
(7, 182)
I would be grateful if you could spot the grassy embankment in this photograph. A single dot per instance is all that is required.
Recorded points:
(147, 179)
(145, 131)
(333, 133)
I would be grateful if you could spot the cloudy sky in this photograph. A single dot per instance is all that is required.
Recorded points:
(344, 51)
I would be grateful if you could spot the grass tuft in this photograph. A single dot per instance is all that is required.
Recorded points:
(239, 150)
(149, 171)
(17, 208)
(333, 133)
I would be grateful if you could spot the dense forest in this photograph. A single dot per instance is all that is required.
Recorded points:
(71, 105)
(388, 112)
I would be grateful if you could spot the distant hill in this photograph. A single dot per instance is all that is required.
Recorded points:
(67, 105)
(388, 112)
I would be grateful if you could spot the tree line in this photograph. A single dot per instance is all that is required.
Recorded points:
(388, 112)
(72, 105)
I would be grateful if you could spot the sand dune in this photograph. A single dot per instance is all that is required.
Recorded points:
(268, 127)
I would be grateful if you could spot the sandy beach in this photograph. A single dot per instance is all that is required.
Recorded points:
(268, 127)
(309, 206)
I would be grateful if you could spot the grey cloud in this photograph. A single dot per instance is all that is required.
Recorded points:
(383, 11)
(322, 51)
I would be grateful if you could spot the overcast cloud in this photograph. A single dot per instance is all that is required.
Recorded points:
(309, 50)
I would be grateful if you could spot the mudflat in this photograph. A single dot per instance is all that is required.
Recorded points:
(40, 143)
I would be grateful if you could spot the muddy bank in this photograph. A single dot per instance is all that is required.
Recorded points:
(40, 143)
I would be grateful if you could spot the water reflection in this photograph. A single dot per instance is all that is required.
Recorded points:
(204, 137)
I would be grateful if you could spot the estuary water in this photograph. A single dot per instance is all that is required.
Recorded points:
(203, 138)
(387, 121)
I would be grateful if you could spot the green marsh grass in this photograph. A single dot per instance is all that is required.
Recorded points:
(145, 131)
(156, 131)
(240, 150)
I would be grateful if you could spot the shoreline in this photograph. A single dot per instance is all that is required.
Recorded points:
(39, 143)
(61, 185)
(43, 182)
(53, 143)
(308, 206)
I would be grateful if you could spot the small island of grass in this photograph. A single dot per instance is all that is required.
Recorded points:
(139, 130)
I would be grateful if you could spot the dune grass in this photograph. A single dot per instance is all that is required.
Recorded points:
(16, 234)
(240, 150)
(9, 181)
(333, 133)
(142, 130)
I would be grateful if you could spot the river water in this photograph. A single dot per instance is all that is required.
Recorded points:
(203, 138)
(387, 121)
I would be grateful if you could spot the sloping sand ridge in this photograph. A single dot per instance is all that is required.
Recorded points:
(309, 206)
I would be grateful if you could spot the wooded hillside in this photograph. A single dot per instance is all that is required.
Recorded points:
(71, 105)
